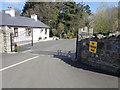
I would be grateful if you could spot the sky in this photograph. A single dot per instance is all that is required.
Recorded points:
(19, 4)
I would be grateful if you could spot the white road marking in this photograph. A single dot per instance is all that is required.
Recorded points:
(18, 63)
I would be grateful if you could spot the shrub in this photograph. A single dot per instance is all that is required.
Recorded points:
(40, 38)
(70, 35)
(16, 47)
(45, 38)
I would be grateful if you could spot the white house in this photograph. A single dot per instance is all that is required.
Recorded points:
(23, 28)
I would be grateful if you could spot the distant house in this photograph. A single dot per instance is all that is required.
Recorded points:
(85, 33)
(23, 28)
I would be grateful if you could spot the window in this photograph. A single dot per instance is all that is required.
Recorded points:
(16, 32)
(9, 27)
(28, 31)
(41, 30)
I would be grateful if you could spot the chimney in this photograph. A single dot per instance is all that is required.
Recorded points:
(34, 16)
(10, 11)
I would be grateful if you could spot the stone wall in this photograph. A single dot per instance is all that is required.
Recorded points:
(5, 43)
(1, 42)
(106, 58)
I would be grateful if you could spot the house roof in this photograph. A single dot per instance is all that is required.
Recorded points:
(6, 19)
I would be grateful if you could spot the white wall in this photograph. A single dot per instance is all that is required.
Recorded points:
(22, 36)
(40, 32)
(37, 33)
(48, 33)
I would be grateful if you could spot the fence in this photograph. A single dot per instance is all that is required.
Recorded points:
(8, 40)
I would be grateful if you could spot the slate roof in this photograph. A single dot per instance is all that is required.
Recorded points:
(6, 19)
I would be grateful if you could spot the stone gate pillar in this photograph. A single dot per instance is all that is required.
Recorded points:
(6, 38)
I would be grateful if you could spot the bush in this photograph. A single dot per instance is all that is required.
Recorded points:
(70, 35)
(64, 36)
(40, 38)
(45, 38)
(16, 47)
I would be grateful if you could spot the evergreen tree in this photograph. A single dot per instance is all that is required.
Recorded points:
(58, 14)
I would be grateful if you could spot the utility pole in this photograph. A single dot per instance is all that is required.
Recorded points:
(76, 46)
(32, 36)
(11, 41)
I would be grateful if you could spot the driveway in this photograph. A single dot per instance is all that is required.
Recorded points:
(39, 67)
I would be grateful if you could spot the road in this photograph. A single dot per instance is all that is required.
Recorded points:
(39, 68)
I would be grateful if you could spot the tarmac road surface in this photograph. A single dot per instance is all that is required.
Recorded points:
(36, 68)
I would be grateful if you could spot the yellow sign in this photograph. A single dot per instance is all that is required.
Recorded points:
(93, 43)
(92, 49)
(93, 46)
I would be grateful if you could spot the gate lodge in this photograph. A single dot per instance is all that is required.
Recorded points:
(20, 30)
